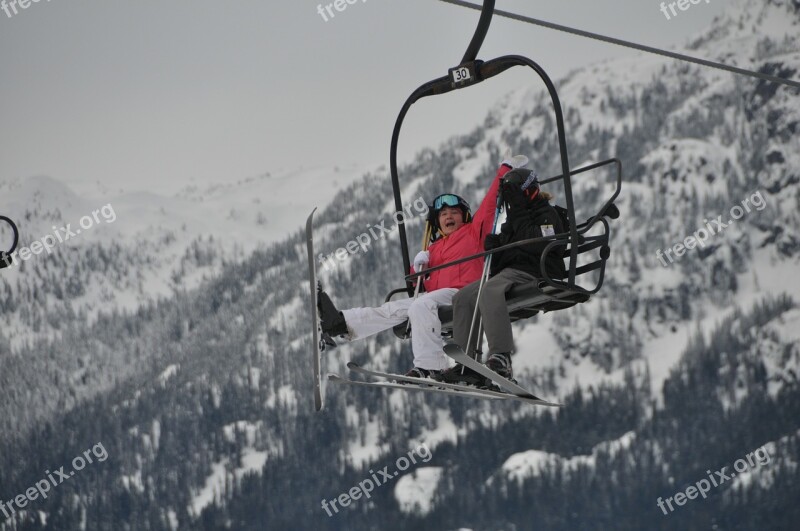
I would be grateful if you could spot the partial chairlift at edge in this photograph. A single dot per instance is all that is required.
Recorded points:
(5, 256)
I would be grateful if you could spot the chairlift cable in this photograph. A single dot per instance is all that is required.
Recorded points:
(628, 44)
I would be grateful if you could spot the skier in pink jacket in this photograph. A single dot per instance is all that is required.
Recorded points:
(457, 233)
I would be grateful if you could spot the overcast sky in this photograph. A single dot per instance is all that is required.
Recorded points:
(158, 94)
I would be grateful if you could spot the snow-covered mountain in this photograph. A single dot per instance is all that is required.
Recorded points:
(683, 363)
(149, 245)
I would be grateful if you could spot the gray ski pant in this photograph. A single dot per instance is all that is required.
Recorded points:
(496, 322)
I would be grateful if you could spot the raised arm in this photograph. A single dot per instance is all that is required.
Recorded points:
(484, 216)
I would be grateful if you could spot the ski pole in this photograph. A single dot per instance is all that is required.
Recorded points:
(425, 239)
(416, 294)
(478, 339)
(486, 268)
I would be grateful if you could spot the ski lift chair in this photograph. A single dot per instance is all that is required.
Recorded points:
(548, 294)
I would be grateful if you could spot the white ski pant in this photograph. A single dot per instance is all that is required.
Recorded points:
(426, 329)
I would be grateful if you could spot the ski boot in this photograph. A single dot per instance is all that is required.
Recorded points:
(461, 374)
(501, 364)
(332, 320)
(418, 372)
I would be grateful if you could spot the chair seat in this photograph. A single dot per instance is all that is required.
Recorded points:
(523, 301)
(526, 300)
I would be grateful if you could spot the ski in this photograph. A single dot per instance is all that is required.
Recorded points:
(317, 345)
(469, 392)
(455, 352)
(444, 385)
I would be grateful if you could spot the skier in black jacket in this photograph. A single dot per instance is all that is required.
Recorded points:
(528, 215)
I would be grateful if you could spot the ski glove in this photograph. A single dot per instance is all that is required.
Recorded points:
(517, 161)
(421, 260)
(493, 241)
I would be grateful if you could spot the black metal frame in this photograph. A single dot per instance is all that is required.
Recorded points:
(5, 256)
(486, 70)
(482, 71)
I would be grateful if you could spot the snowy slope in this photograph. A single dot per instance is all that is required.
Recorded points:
(160, 243)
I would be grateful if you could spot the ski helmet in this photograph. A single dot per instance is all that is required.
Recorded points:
(448, 200)
(527, 180)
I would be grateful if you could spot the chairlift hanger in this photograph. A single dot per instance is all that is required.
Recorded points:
(556, 293)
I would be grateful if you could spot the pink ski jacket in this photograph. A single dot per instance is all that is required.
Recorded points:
(467, 240)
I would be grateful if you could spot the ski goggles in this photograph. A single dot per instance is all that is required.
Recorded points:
(444, 200)
(532, 180)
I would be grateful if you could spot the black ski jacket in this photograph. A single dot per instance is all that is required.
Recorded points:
(537, 220)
